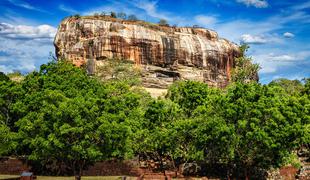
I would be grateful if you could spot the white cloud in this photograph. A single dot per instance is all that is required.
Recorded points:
(298, 56)
(67, 9)
(234, 29)
(253, 39)
(208, 21)
(150, 7)
(267, 69)
(288, 35)
(23, 47)
(27, 32)
(23, 55)
(22, 4)
(284, 57)
(302, 6)
(149, 11)
(115, 6)
(255, 3)
(274, 62)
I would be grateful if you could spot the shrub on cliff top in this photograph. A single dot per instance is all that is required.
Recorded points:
(163, 22)
(132, 17)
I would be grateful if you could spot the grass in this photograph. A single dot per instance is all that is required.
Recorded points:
(71, 177)
(8, 176)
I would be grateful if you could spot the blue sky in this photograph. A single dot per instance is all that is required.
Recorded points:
(278, 31)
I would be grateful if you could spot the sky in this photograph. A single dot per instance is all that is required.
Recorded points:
(278, 31)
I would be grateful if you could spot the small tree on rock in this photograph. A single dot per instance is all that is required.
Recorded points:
(132, 17)
(245, 70)
(121, 15)
(113, 14)
(163, 22)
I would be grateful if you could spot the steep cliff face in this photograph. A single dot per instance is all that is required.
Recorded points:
(164, 54)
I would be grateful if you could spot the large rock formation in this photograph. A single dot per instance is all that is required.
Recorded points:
(164, 53)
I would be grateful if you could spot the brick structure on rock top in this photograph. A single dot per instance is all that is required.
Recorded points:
(189, 53)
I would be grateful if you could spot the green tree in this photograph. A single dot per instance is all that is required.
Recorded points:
(247, 126)
(293, 87)
(132, 17)
(96, 15)
(119, 70)
(268, 125)
(113, 14)
(121, 15)
(77, 16)
(306, 89)
(244, 69)
(71, 119)
(191, 94)
(154, 139)
(3, 77)
(103, 13)
(163, 22)
(8, 140)
(207, 139)
(10, 92)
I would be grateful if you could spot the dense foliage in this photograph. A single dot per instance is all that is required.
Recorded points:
(244, 70)
(61, 116)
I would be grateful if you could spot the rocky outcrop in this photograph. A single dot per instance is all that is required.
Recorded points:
(164, 54)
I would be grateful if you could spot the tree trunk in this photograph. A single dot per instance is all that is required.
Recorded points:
(81, 167)
(246, 174)
(75, 172)
(174, 167)
(162, 166)
(228, 174)
(77, 177)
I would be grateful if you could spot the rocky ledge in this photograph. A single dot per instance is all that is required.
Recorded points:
(165, 54)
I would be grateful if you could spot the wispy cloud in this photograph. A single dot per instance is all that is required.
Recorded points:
(302, 6)
(255, 3)
(114, 6)
(150, 7)
(67, 9)
(273, 62)
(27, 32)
(143, 9)
(208, 21)
(284, 57)
(253, 39)
(25, 5)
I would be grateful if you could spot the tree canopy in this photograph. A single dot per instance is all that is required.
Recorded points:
(60, 115)
(244, 69)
